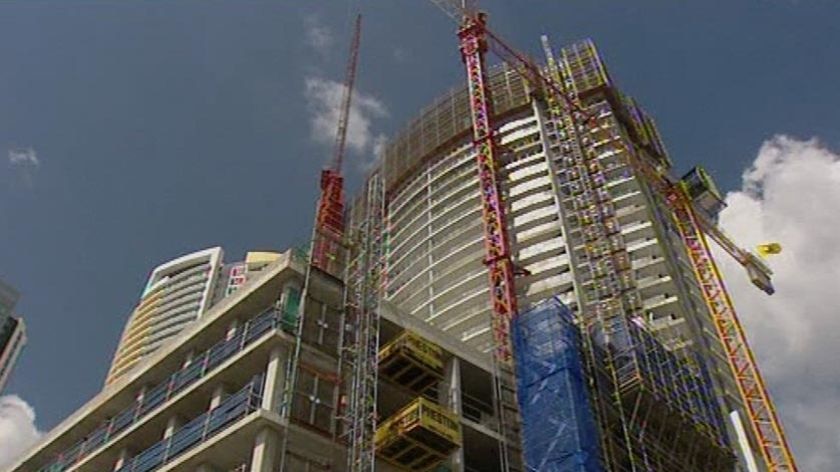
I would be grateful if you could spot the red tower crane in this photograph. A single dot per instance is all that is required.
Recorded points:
(475, 40)
(329, 220)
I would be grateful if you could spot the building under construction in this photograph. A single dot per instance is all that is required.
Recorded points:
(589, 216)
(600, 343)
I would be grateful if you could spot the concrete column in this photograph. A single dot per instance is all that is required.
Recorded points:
(743, 442)
(141, 394)
(449, 396)
(232, 327)
(172, 425)
(123, 456)
(275, 379)
(188, 359)
(219, 394)
(265, 451)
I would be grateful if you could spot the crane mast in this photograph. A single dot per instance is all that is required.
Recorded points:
(360, 263)
(496, 243)
(501, 271)
(475, 40)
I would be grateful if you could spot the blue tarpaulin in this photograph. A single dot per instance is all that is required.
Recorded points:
(559, 432)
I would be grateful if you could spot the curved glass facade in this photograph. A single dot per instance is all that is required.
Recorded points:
(177, 293)
(435, 264)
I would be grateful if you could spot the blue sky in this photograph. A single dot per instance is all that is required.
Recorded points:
(162, 127)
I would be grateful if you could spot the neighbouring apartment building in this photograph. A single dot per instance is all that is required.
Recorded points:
(177, 293)
(12, 332)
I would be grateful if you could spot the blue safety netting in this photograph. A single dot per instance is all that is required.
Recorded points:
(559, 432)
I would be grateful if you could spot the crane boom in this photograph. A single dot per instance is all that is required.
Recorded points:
(475, 39)
(752, 389)
(347, 96)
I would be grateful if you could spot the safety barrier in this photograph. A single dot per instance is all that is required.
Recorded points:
(199, 430)
(156, 396)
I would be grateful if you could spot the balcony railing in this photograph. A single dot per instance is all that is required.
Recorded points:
(180, 380)
(199, 430)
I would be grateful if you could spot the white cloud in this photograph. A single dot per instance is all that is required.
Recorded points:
(17, 428)
(318, 36)
(379, 145)
(323, 98)
(791, 194)
(24, 164)
(24, 157)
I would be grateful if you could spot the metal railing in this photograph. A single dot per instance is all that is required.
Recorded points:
(199, 430)
(156, 396)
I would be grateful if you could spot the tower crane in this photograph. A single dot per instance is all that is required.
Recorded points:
(693, 227)
(329, 220)
(329, 251)
(361, 283)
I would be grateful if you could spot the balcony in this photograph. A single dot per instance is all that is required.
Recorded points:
(155, 397)
(650, 281)
(659, 301)
(199, 430)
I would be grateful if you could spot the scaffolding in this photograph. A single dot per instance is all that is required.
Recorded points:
(673, 417)
(446, 123)
(654, 411)
(364, 281)
(693, 227)
(602, 262)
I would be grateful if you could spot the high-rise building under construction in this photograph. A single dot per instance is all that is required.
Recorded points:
(379, 360)
(437, 269)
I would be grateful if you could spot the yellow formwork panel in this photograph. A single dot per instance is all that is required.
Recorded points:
(411, 361)
(424, 351)
(419, 436)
